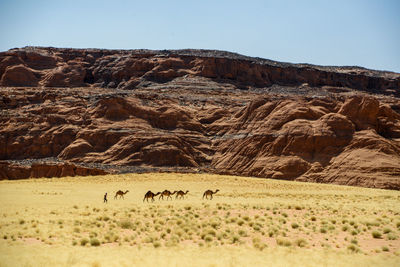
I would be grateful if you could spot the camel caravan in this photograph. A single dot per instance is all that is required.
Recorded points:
(179, 194)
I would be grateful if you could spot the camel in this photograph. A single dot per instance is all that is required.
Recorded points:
(167, 194)
(120, 193)
(181, 194)
(209, 193)
(151, 195)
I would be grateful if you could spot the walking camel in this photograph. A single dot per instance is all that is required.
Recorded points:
(151, 195)
(209, 193)
(120, 193)
(166, 193)
(181, 194)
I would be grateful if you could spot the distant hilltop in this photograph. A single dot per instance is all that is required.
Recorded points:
(130, 69)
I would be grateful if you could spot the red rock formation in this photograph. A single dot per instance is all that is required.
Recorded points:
(18, 75)
(297, 138)
(37, 170)
(128, 69)
(190, 110)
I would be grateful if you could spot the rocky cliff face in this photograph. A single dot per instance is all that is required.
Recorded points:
(130, 69)
(199, 111)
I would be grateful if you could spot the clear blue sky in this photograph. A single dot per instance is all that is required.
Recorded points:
(325, 32)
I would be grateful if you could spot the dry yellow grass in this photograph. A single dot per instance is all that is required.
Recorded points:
(250, 221)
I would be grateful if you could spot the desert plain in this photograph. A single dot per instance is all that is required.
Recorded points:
(250, 221)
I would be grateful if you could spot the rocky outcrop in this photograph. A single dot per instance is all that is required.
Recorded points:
(12, 171)
(194, 123)
(18, 75)
(130, 69)
(189, 110)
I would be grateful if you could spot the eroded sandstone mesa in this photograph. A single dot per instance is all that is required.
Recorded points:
(87, 112)
(129, 69)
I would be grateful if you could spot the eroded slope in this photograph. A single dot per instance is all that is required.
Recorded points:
(346, 139)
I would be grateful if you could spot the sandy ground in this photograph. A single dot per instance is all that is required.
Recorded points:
(249, 222)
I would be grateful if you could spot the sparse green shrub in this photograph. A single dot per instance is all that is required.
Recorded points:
(283, 242)
(211, 232)
(376, 223)
(257, 244)
(94, 242)
(235, 239)
(208, 238)
(386, 230)
(392, 236)
(215, 224)
(385, 248)
(295, 225)
(353, 248)
(179, 232)
(126, 224)
(270, 233)
(157, 244)
(149, 239)
(257, 227)
(84, 241)
(301, 242)
(242, 232)
(313, 218)
(376, 234)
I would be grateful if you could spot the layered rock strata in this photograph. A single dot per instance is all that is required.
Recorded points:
(130, 69)
(196, 111)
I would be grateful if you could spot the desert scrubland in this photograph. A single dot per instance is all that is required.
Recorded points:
(250, 221)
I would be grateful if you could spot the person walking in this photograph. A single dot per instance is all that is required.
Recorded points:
(105, 198)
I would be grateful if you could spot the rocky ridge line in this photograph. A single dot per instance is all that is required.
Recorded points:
(130, 69)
